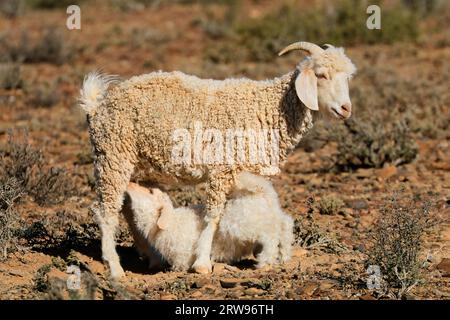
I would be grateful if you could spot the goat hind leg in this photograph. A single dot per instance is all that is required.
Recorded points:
(112, 181)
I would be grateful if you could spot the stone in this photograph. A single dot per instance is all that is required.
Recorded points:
(309, 288)
(253, 292)
(219, 268)
(444, 267)
(299, 252)
(387, 172)
(201, 282)
(357, 204)
(229, 282)
(196, 295)
(167, 296)
(367, 296)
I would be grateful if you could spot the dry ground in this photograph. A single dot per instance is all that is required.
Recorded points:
(403, 79)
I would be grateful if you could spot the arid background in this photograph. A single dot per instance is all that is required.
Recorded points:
(374, 190)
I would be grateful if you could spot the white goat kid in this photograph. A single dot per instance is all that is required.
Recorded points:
(253, 223)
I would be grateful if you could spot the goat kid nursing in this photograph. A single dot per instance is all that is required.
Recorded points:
(253, 223)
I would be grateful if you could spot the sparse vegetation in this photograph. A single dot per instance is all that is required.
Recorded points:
(44, 95)
(397, 240)
(51, 4)
(10, 192)
(341, 23)
(27, 165)
(10, 77)
(50, 47)
(11, 8)
(330, 205)
(373, 143)
(309, 235)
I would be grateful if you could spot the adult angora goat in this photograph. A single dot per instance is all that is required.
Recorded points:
(137, 124)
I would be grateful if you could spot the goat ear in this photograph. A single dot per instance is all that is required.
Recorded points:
(166, 210)
(164, 218)
(306, 88)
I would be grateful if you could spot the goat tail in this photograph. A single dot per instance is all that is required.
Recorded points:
(94, 89)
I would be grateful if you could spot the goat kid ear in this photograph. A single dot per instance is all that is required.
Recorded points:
(306, 88)
(164, 218)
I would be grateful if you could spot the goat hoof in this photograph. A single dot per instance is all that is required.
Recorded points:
(202, 268)
(117, 272)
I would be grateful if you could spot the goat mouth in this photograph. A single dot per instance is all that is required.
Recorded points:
(337, 114)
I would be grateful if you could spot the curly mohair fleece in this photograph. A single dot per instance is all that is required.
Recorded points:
(131, 127)
(253, 223)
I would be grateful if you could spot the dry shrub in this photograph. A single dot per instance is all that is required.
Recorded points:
(372, 143)
(51, 4)
(340, 22)
(330, 205)
(44, 96)
(397, 241)
(27, 165)
(50, 47)
(10, 192)
(11, 8)
(308, 234)
(10, 76)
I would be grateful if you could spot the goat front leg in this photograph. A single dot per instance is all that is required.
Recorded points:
(217, 189)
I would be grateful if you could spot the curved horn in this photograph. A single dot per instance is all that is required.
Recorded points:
(309, 47)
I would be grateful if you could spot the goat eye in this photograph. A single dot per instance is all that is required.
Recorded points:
(321, 76)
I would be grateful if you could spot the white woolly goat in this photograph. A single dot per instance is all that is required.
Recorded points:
(134, 128)
(253, 223)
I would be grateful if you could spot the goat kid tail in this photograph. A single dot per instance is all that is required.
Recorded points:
(94, 90)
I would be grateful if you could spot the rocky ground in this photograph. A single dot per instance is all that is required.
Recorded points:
(336, 201)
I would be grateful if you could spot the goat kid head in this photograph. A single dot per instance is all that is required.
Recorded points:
(322, 82)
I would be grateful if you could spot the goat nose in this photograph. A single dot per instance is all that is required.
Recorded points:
(346, 110)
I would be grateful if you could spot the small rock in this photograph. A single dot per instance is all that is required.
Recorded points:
(309, 288)
(229, 282)
(209, 289)
(253, 292)
(367, 296)
(387, 172)
(357, 204)
(444, 266)
(327, 285)
(196, 294)
(167, 296)
(299, 252)
(291, 295)
(54, 274)
(219, 268)
(199, 283)
(231, 268)
(364, 173)
(235, 293)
